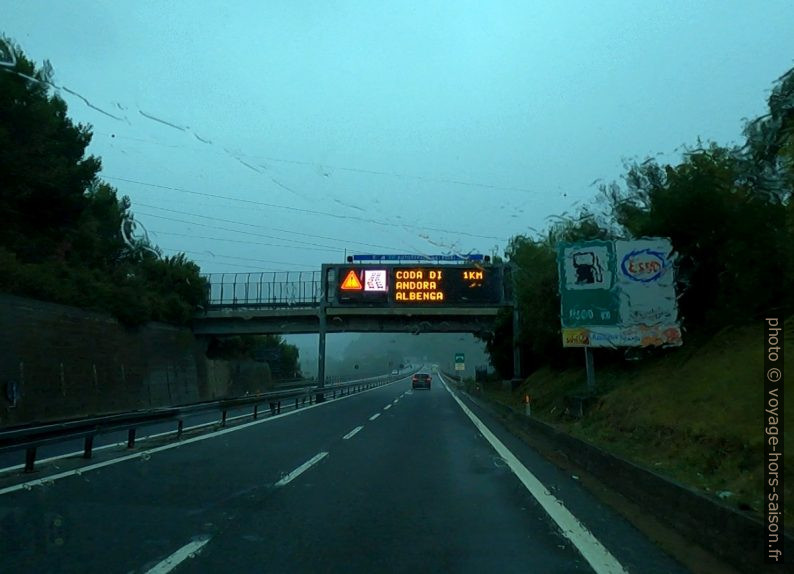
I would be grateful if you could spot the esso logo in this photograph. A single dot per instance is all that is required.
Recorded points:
(644, 265)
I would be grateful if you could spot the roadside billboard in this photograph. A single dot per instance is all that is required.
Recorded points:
(618, 293)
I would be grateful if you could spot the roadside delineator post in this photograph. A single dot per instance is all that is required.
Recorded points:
(527, 405)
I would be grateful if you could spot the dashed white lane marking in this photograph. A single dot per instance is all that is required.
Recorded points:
(352, 433)
(395, 400)
(588, 545)
(187, 551)
(28, 485)
(373, 417)
(301, 469)
(387, 407)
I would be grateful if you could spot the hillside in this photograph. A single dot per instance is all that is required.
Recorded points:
(693, 415)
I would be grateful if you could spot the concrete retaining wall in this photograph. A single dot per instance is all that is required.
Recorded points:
(67, 363)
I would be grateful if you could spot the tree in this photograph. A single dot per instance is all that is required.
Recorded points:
(96, 239)
(729, 215)
(730, 239)
(43, 168)
(283, 358)
(61, 238)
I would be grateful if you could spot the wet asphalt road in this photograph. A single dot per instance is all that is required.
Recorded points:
(388, 480)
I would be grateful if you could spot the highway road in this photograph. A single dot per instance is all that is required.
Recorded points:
(387, 480)
(10, 461)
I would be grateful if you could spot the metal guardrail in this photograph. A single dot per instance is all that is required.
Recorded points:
(30, 437)
(267, 289)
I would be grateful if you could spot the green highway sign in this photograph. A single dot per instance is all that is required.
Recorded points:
(460, 363)
(587, 272)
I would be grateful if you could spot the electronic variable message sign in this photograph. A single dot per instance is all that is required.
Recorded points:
(423, 285)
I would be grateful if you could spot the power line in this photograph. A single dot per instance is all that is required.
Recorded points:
(247, 242)
(301, 210)
(341, 168)
(349, 169)
(266, 228)
(235, 265)
(229, 229)
(240, 258)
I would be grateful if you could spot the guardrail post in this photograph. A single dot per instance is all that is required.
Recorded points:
(131, 438)
(223, 418)
(30, 459)
(180, 426)
(256, 411)
(88, 446)
(296, 404)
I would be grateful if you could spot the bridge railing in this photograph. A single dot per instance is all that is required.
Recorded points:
(266, 289)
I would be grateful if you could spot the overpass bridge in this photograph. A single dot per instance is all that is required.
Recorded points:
(461, 297)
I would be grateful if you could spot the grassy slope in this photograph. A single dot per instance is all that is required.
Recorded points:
(694, 415)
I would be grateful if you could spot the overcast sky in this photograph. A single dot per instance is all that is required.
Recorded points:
(401, 127)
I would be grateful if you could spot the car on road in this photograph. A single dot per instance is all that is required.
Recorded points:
(395, 372)
(421, 381)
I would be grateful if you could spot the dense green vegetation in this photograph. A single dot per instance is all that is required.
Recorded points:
(729, 214)
(61, 239)
(691, 413)
(283, 358)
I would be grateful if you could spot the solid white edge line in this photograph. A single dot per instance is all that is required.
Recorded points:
(77, 471)
(187, 551)
(599, 558)
(373, 417)
(352, 433)
(301, 469)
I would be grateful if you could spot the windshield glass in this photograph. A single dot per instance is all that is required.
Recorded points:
(386, 287)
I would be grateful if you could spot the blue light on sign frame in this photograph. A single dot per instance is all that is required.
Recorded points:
(470, 257)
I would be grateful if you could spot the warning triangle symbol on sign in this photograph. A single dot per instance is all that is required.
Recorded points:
(352, 282)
